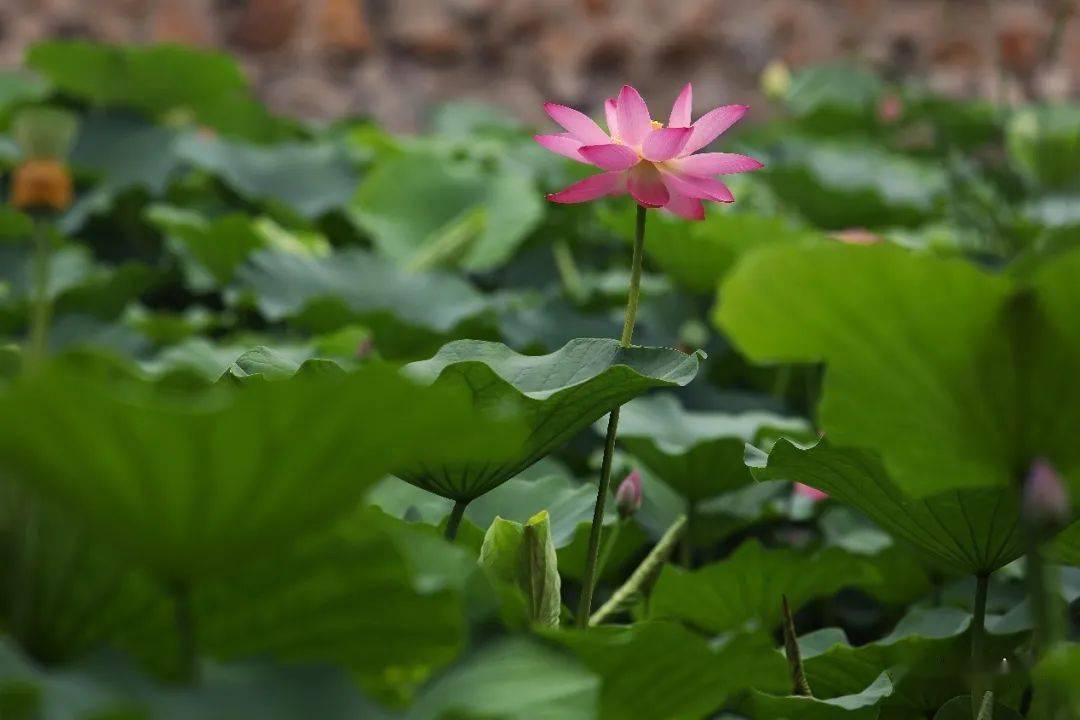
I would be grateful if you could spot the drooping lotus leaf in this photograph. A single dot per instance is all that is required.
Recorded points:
(975, 530)
(188, 483)
(913, 345)
(658, 669)
(926, 656)
(747, 586)
(863, 705)
(556, 394)
(700, 454)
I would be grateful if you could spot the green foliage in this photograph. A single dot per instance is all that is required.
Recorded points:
(698, 454)
(986, 330)
(557, 395)
(258, 326)
(707, 599)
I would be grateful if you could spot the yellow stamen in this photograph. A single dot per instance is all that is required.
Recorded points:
(656, 124)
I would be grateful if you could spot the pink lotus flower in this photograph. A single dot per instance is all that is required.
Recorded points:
(639, 156)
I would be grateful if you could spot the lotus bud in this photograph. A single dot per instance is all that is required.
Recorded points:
(42, 180)
(775, 80)
(1045, 498)
(628, 496)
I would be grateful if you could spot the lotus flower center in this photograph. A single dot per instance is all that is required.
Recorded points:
(656, 124)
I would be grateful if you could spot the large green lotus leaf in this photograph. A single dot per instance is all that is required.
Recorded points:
(62, 594)
(207, 87)
(310, 178)
(110, 686)
(1045, 144)
(662, 670)
(746, 587)
(1042, 321)
(557, 394)
(352, 285)
(839, 185)
(700, 454)
(911, 343)
(423, 209)
(189, 483)
(863, 705)
(972, 531)
(373, 594)
(926, 655)
(513, 678)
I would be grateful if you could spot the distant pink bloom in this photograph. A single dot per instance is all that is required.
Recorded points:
(857, 236)
(640, 156)
(810, 493)
(628, 496)
(1045, 498)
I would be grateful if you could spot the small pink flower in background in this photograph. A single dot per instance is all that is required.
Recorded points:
(628, 496)
(1045, 497)
(857, 236)
(810, 493)
(640, 156)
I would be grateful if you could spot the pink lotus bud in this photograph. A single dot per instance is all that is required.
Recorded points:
(808, 492)
(628, 496)
(1045, 498)
(890, 108)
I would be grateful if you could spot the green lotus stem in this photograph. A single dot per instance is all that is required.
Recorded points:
(986, 712)
(799, 684)
(450, 240)
(1046, 615)
(643, 577)
(686, 548)
(184, 619)
(978, 638)
(589, 581)
(41, 308)
(454, 522)
(568, 270)
(609, 545)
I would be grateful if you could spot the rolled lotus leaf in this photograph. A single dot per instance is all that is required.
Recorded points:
(556, 395)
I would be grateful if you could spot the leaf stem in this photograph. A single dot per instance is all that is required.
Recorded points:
(643, 577)
(589, 581)
(978, 637)
(455, 519)
(41, 308)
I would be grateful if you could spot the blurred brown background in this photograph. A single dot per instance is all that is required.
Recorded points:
(393, 59)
